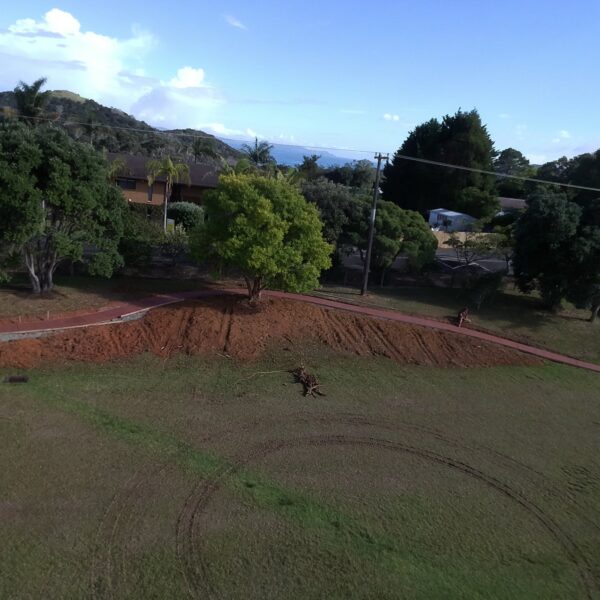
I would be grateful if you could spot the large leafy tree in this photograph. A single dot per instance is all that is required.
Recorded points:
(173, 172)
(342, 210)
(259, 154)
(459, 139)
(397, 231)
(512, 162)
(264, 228)
(557, 249)
(336, 205)
(31, 100)
(55, 198)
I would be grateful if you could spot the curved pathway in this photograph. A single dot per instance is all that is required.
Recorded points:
(122, 311)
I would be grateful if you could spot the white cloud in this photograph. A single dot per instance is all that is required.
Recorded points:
(504, 116)
(188, 77)
(55, 21)
(108, 69)
(563, 135)
(234, 22)
(390, 117)
(222, 130)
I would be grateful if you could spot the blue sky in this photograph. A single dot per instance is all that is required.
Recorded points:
(329, 73)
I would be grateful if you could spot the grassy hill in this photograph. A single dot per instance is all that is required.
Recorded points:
(116, 131)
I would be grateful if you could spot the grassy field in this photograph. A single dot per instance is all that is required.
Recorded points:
(510, 313)
(205, 478)
(77, 293)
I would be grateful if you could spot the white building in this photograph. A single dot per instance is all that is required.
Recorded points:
(441, 219)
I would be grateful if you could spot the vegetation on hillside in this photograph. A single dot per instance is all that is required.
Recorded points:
(113, 130)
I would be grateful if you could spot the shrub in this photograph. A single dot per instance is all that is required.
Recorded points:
(186, 214)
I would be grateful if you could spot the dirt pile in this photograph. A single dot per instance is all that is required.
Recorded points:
(229, 326)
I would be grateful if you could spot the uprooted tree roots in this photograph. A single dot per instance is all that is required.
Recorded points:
(308, 380)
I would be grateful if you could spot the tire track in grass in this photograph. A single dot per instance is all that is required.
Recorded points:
(214, 473)
(207, 490)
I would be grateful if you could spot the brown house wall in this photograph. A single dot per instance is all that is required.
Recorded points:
(184, 193)
(140, 194)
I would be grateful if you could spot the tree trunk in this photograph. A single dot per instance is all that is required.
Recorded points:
(40, 268)
(595, 311)
(254, 289)
(382, 278)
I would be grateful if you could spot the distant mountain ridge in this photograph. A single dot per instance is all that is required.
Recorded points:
(115, 131)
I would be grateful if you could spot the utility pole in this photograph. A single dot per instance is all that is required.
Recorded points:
(367, 269)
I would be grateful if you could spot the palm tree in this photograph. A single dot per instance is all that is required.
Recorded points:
(31, 101)
(172, 172)
(116, 167)
(259, 154)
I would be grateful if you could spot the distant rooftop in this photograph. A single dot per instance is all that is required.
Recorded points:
(512, 203)
(201, 175)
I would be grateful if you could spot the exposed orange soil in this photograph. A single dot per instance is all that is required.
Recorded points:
(229, 326)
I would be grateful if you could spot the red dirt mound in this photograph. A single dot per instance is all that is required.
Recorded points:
(228, 325)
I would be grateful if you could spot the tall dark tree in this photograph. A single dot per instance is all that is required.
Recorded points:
(31, 100)
(309, 167)
(557, 249)
(459, 139)
(512, 162)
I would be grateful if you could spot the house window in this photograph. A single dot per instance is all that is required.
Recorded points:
(125, 183)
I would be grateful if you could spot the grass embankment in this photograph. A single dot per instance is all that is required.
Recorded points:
(148, 478)
(510, 314)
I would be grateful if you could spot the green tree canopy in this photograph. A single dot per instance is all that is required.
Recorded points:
(512, 162)
(459, 139)
(309, 167)
(397, 231)
(55, 197)
(187, 214)
(335, 203)
(266, 229)
(557, 248)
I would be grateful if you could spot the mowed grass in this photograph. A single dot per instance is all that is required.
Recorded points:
(202, 477)
(510, 314)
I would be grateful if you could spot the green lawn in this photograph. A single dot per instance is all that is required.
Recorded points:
(202, 477)
(510, 313)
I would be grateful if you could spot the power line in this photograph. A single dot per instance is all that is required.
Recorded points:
(499, 175)
(307, 147)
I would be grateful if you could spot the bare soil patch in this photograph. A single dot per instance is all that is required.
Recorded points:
(228, 325)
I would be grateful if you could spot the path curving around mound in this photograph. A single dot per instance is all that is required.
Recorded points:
(127, 310)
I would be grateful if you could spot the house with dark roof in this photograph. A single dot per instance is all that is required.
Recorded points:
(512, 204)
(133, 181)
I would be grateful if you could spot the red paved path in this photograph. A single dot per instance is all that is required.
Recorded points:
(98, 317)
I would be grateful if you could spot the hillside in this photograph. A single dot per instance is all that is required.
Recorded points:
(116, 131)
